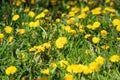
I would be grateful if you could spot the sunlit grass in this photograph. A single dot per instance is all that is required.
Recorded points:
(59, 40)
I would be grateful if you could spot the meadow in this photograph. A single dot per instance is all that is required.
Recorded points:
(60, 40)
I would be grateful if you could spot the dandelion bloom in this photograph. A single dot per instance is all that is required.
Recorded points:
(10, 39)
(85, 9)
(75, 68)
(15, 17)
(105, 47)
(114, 58)
(45, 11)
(107, 1)
(37, 49)
(1, 36)
(89, 26)
(22, 55)
(96, 25)
(108, 9)
(116, 22)
(45, 71)
(87, 36)
(32, 1)
(20, 31)
(94, 66)
(71, 14)
(86, 70)
(47, 45)
(100, 60)
(88, 51)
(18, 3)
(103, 33)
(11, 70)
(26, 10)
(34, 24)
(31, 14)
(82, 16)
(118, 28)
(68, 77)
(118, 38)
(53, 65)
(63, 63)
(57, 20)
(95, 40)
(41, 15)
(96, 10)
(60, 42)
(8, 29)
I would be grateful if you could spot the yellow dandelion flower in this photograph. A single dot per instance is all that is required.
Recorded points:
(72, 31)
(11, 70)
(111, 3)
(88, 51)
(96, 25)
(82, 16)
(45, 11)
(75, 9)
(96, 10)
(118, 28)
(71, 20)
(32, 1)
(103, 33)
(47, 45)
(10, 39)
(63, 63)
(60, 42)
(57, 20)
(54, 65)
(18, 3)
(100, 60)
(75, 68)
(71, 14)
(95, 40)
(68, 77)
(115, 58)
(1, 36)
(89, 26)
(63, 14)
(15, 17)
(85, 9)
(8, 29)
(45, 71)
(108, 9)
(116, 22)
(23, 1)
(22, 55)
(105, 47)
(26, 10)
(34, 24)
(66, 28)
(87, 36)
(118, 38)
(94, 66)
(86, 70)
(107, 1)
(41, 15)
(20, 31)
(68, 7)
(23, 78)
(31, 14)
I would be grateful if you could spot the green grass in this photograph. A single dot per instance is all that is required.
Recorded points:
(30, 65)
